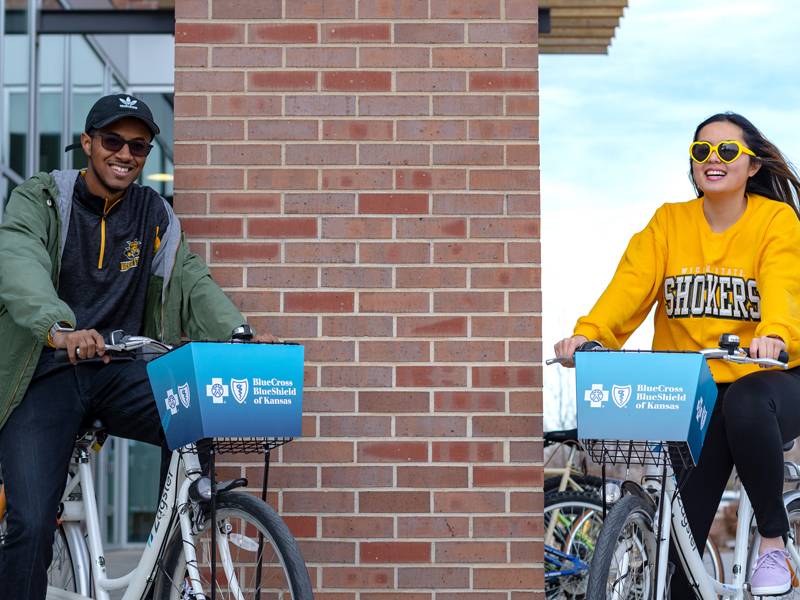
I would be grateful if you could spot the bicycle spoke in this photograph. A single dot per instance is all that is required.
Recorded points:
(629, 575)
(239, 556)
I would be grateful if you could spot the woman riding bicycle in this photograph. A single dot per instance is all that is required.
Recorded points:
(725, 262)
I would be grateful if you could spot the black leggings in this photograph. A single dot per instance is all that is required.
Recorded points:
(752, 419)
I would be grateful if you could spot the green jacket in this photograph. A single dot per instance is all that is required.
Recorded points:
(182, 299)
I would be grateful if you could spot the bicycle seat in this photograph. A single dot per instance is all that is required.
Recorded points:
(94, 428)
(560, 437)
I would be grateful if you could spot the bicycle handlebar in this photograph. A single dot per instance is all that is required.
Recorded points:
(742, 356)
(732, 352)
(121, 343)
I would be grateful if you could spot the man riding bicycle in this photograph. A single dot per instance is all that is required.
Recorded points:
(83, 254)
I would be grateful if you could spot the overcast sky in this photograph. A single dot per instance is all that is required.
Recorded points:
(615, 132)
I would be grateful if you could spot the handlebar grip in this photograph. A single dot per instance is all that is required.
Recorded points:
(588, 346)
(782, 357)
(61, 356)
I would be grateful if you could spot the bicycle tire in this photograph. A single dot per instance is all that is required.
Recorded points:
(611, 555)
(61, 572)
(580, 516)
(793, 512)
(587, 482)
(712, 560)
(243, 514)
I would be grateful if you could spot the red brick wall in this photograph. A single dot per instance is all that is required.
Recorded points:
(362, 176)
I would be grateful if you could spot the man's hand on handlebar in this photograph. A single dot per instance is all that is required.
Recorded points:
(566, 349)
(84, 343)
(766, 347)
(267, 338)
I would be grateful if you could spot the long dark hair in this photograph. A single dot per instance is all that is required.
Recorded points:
(777, 177)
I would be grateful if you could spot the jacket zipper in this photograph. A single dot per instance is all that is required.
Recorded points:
(106, 209)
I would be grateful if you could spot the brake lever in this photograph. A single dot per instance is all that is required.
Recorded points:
(746, 360)
(590, 346)
(558, 360)
(741, 356)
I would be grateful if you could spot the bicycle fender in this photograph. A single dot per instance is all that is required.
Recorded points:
(634, 489)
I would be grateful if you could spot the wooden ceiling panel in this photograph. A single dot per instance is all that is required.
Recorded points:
(581, 26)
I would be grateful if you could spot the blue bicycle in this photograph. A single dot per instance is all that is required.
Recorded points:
(572, 523)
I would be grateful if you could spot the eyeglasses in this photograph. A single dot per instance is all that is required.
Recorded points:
(114, 143)
(727, 151)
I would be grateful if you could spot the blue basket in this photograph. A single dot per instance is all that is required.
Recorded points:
(639, 407)
(228, 390)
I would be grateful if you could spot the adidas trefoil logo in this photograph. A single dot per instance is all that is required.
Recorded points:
(128, 102)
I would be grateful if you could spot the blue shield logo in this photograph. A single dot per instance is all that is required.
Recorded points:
(239, 387)
(620, 394)
(185, 394)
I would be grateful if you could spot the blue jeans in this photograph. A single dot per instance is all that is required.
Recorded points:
(36, 445)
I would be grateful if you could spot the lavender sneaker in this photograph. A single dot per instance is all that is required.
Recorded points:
(771, 576)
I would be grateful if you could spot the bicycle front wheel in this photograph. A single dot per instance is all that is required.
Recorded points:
(249, 533)
(624, 563)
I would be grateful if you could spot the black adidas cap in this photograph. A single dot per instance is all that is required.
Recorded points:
(110, 109)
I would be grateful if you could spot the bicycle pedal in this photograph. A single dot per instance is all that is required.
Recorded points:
(793, 573)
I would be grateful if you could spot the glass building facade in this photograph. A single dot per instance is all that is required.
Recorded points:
(48, 82)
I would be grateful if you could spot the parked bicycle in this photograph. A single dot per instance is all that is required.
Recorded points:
(630, 558)
(245, 549)
(570, 476)
(572, 523)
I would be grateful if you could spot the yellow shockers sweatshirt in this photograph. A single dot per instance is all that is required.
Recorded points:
(745, 280)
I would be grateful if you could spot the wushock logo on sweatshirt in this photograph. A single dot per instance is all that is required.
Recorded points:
(132, 251)
(713, 295)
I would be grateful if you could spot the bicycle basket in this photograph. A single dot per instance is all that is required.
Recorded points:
(231, 391)
(248, 445)
(626, 400)
(630, 452)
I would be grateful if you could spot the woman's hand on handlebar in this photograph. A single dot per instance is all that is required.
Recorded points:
(766, 347)
(566, 348)
(84, 343)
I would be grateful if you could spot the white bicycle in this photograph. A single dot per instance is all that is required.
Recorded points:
(246, 545)
(630, 558)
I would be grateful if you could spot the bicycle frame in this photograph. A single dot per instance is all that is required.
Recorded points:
(565, 472)
(184, 468)
(673, 516)
(555, 557)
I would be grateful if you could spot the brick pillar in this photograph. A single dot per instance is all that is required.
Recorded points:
(362, 176)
